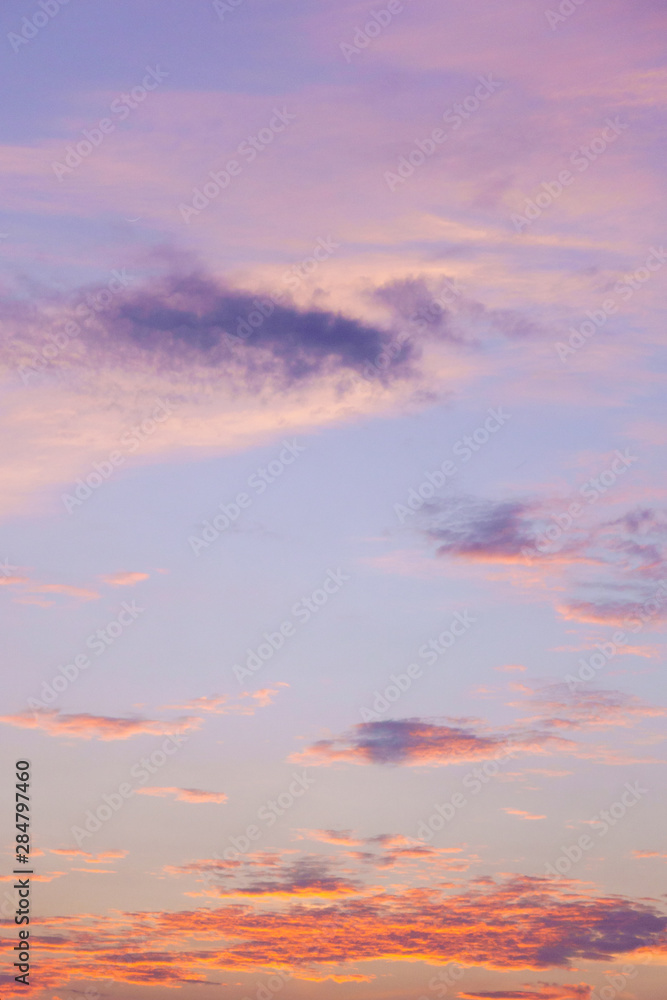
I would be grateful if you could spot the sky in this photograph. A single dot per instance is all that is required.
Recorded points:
(333, 542)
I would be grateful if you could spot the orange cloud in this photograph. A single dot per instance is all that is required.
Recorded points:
(523, 923)
(45, 877)
(183, 794)
(96, 871)
(522, 814)
(91, 859)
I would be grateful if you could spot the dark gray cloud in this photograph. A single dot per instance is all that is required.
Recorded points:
(192, 319)
(196, 313)
(480, 528)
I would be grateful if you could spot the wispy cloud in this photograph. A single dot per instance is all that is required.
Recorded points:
(183, 794)
(127, 579)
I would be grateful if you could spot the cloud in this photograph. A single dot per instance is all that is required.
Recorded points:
(30, 592)
(312, 876)
(621, 613)
(124, 579)
(223, 704)
(391, 850)
(418, 743)
(280, 873)
(624, 556)
(431, 743)
(558, 708)
(544, 991)
(183, 794)
(63, 588)
(96, 871)
(84, 726)
(442, 312)
(339, 837)
(522, 814)
(517, 924)
(479, 529)
(91, 859)
(189, 318)
(177, 345)
(44, 877)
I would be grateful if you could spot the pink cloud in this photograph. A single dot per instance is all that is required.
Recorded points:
(522, 814)
(124, 579)
(223, 704)
(63, 588)
(86, 727)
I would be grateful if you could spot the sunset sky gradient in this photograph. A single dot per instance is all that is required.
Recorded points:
(334, 536)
